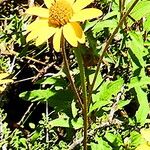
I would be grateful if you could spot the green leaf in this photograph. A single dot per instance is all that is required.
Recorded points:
(105, 93)
(67, 123)
(74, 109)
(123, 103)
(137, 50)
(37, 95)
(146, 24)
(138, 81)
(111, 24)
(143, 109)
(89, 25)
(98, 105)
(110, 137)
(53, 81)
(61, 100)
(109, 89)
(36, 135)
(135, 138)
(102, 145)
(114, 139)
(142, 9)
(23, 141)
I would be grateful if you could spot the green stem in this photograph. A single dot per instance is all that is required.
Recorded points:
(69, 76)
(107, 46)
(84, 90)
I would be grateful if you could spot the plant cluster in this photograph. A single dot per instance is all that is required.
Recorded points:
(81, 69)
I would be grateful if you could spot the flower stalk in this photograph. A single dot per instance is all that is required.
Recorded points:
(69, 76)
(84, 95)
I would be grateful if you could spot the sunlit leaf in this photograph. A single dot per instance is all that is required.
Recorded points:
(4, 75)
(100, 145)
(105, 93)
(5, 81)
(143, 109)
(138, 81)
(142, 9)
(67, 123)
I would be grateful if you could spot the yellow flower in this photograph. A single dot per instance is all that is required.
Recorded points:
(61, 17)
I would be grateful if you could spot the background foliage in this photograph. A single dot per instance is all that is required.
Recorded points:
(38, 108)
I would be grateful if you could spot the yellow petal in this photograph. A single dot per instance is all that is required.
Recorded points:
(38, 23)
(38, 11)
(70, 1)
(70, 35)
(79, 32)
(80, 4)
(45, 34)
(48, 3)
(57, 39)
(32, 35)
(146, 134)
(86, 14)
(143, 146)
(82, 39)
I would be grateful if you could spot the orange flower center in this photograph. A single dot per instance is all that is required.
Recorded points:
(60, 12)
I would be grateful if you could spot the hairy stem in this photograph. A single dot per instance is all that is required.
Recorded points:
(69, 76)
(107, 46)
(84, 92)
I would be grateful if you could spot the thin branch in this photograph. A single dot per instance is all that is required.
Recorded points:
(75, 143)
(114, 106)
(27, 57)
(27, 113)
(107, 46)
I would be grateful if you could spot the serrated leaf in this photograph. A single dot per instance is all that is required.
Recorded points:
(143, 109)
(98, 105)
(112, 88)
